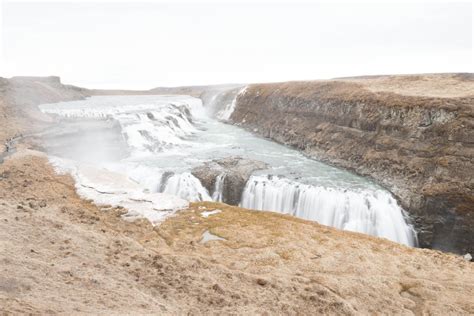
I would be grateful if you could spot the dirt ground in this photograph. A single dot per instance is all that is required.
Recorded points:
(62, 254)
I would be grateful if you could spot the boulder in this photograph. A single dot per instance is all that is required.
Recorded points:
(235, 172)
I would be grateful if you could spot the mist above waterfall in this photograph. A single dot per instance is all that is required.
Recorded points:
(155, 142)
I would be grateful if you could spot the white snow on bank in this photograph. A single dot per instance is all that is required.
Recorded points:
(104, 187)
(206, 214)
(208, 236)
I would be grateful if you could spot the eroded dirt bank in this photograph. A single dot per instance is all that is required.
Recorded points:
(413, 134)
(61, 254)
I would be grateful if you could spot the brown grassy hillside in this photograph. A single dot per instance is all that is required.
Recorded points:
(61, 254)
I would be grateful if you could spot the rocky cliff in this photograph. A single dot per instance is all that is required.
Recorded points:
(233, 172)
(412, 134)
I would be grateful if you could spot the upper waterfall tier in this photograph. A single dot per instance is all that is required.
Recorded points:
(151, 126)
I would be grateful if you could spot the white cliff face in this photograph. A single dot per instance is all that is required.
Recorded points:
(374, 213)
(167, 136)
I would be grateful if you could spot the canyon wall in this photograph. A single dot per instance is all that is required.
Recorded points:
(412, 134)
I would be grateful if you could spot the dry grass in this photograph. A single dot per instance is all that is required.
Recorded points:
(73, 257)
(452, 92)
(426, 85)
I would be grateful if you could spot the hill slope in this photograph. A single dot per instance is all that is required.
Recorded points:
(61, 254)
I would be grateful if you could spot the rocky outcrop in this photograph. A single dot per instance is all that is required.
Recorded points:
(234, 173)
(418, 145)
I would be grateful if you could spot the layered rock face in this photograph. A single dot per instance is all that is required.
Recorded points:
(232, 173)
(412, 134)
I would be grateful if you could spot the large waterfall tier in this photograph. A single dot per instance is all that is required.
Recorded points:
(374, 213)
(157, 142)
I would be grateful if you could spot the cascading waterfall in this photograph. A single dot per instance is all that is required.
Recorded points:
(219, 187)
(147, 128)
(229, 108)
(187, 187)
(162, 138)
(371, 212)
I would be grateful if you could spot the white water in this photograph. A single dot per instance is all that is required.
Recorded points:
(186, 186)
(225, 113)
(374, 213)
(147, 128)
(219, 187)
(155, 141)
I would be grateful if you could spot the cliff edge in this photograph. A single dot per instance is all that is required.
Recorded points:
(413, 134)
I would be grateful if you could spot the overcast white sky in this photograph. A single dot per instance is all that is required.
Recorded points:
(144, 45)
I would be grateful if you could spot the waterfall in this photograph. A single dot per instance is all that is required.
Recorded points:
(371, 212)
(163, 142)
(229, 108)
(149, 127)
(187, 187)
(218, 188)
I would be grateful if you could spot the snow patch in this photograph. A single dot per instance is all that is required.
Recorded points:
(208, 236)
(206, 214)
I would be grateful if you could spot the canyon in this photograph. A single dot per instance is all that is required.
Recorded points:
(410, 134)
